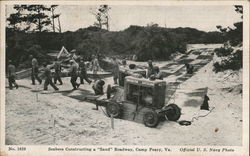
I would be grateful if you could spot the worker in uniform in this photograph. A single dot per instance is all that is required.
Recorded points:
(134, 58)
(74, 55)
(150, 70)
(73, 74)
(58, 69)
(157, 73)
(83, 72)
(12, 75)
(95, 66)
(98, 87)
(124, 62)
(34, 70)
(48, 77)
(189, 68)
(115, 70)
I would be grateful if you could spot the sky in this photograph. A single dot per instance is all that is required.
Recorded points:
(201, 17)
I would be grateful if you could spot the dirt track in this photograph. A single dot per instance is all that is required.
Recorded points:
(38, 117)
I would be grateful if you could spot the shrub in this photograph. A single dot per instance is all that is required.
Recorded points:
(220, 52)
(234, 61)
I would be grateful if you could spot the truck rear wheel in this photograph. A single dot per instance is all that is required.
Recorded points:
(151, 119)
(174, 113)
(113, 109)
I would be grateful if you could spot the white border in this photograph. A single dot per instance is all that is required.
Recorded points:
(42, 150)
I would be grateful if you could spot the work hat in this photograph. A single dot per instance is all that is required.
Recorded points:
(71, 61)
(73, 51)
(150, 61)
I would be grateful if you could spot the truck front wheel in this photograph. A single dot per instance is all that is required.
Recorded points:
(113, 109)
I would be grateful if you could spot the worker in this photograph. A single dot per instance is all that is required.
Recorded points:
(34, 70)
(74, 55)
(98, 87)
(83, 72)
(124, 62)
(73, 74)
(157, 73)
(115, 70)
(57, 75)
(12, 75)
(48, 77)
(150, 70)
(189, 68)
(134, 58)
(95, 66)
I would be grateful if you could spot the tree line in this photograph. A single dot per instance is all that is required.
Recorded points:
(230, 58)
(32, 30)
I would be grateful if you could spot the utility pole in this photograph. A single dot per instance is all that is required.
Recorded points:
(59, 25)
(53, 20)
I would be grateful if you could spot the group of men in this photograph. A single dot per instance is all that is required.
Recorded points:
(77, 69)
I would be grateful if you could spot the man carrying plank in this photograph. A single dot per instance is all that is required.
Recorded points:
(58, 68)
(48, 77)
(83, 72)
(73, 74)
(35, 70)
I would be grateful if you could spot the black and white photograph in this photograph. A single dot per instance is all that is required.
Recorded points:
(122, 74)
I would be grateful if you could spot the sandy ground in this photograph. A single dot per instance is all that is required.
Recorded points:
(37, 117)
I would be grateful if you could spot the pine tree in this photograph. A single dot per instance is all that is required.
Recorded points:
(30, 18)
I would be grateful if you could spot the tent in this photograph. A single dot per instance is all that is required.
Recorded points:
(63, 53)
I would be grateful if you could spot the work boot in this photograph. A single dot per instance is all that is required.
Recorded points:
(74, 88)
(40, 82)
(16, 86)
(56, 89)
(90, 82)
(45, 89)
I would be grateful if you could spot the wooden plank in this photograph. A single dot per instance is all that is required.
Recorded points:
(23, 74)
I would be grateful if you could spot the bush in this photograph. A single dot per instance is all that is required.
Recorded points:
(220, 52)
(233, 62)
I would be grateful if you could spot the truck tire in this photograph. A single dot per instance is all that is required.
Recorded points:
(174, 113)
(151, 119)
(113, 109)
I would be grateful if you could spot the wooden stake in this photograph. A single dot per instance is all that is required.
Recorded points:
(37, 94)
(36, 97)
(112, 122)
(53, 125)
